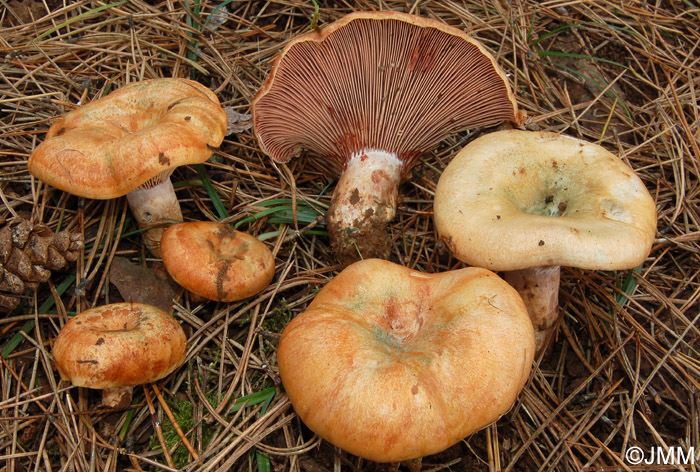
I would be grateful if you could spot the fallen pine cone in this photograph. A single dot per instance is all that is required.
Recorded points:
(28, 254)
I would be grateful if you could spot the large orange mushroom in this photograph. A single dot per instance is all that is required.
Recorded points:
(129, 143)
(368, 95)
(392, 364)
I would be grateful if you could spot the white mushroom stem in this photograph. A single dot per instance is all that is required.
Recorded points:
(154, 207)
(363, 202)
(539, 289)
(117, 397)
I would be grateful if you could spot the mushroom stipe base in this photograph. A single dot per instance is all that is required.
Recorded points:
(363, 203)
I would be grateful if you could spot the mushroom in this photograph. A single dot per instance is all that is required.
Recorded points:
(215, 261)
(529, 202)
(129, 143)
(392, 364)
(367, 96)
(118, 346)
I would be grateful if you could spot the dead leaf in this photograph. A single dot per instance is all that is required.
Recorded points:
(140, 284)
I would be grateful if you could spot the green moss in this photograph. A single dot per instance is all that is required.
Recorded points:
(183, 411)
(278, 317)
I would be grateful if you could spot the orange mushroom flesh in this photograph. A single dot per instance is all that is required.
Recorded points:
(129, 143)
(529, 202)
(367, 96)
(215, 261)
(118, 346)
(391, 364)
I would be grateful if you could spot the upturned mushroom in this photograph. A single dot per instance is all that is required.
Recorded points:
(392, 364)
(529, 202)
(367, 96)
(118, 346)
(129, 143)
(215, 261)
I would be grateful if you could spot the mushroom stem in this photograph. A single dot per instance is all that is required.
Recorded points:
(539, 289)
(153, 206)
(117, 397)
(363, 202)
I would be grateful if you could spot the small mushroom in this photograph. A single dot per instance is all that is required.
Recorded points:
(367, 96)
(392, 364)
(530, 202)
(118, 346)
(129, 143)
(215, 261)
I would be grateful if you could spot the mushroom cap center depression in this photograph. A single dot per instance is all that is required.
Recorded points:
(397, 333)
(548, 187)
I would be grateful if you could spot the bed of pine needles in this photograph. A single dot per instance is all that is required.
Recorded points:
(624, 370)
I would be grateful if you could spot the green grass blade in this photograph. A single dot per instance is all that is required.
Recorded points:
(274, 234)
(555, 31)
(263, 461)
(287, 217)
(532, 26)
(269, 235)
(628, 285)
(430, 166)
(254, 398)
(281, 201)
(213, 195)
(258, 215)
(283, 214)
(214, 12)
(193, 13)
(193, 21)
(129, 417)
(79, 17)
(273, 202)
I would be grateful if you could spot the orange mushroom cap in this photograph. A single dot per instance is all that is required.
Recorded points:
(111, 146)
(392, 364)
(118, 345)
(215, 261)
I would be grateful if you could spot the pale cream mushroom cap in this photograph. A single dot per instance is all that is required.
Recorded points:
(514, 199)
